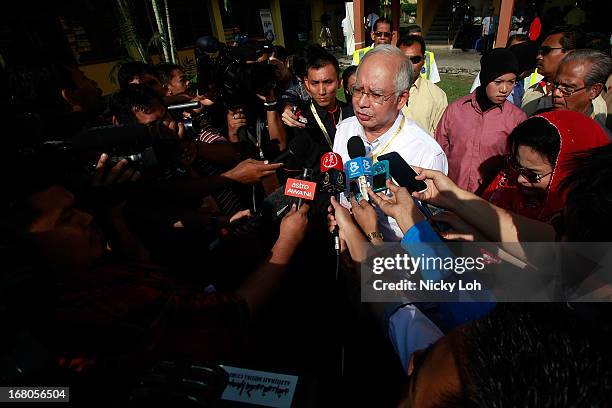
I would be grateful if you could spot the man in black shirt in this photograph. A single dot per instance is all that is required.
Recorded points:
(320, 116)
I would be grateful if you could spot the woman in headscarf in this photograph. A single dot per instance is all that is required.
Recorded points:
(539, 152)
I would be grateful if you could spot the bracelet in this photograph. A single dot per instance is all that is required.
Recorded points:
(270, 106)
(373, 235)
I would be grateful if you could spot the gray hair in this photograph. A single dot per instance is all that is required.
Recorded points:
(601, 65)
(403, 79)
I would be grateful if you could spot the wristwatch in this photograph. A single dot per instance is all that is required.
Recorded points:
(373, 235)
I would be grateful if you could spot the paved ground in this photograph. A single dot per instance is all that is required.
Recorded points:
(449, 61)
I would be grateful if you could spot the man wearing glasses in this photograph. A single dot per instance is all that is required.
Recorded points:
(555, 47)
(426, 102)
(381, 34)
(579, 81)
(378, 96)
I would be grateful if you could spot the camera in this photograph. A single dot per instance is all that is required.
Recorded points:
(145, 147)
(236, 81)
(177, 113)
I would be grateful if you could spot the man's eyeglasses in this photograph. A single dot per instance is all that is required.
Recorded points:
(529, 175)
(545, 49)
(372, 96)
(416, 59)
(383, 34)
(565, 90)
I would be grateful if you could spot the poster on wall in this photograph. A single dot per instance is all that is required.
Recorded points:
(266, 23)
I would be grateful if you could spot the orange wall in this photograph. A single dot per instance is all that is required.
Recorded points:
(426, 10)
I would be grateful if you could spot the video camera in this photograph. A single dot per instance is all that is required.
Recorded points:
(228, 72)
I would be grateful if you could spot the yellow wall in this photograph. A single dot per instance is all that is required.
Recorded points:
(216, 21)
(315, 14)
(278, 22)
(101, 72)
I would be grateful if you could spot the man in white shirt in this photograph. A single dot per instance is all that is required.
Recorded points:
(379, 94)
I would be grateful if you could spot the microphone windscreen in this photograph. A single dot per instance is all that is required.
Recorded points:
(331, 160)
(355, 147)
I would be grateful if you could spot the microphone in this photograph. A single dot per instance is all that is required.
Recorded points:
(303, 189)
(333, 181)
(355, 147)
(358, 169)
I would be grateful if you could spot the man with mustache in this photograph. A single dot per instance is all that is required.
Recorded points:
(379, 94)
(580, 79)
(555, 47)
(381, 34)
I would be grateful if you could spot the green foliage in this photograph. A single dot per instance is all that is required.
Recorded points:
(409, 8)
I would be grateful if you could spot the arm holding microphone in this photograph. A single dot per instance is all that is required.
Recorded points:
(258, 287)
(495, 223)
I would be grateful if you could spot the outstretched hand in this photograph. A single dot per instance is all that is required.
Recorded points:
(441, 190)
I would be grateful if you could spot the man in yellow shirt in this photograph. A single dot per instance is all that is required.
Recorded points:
(426, 101)
(429, 70)
(381, 34)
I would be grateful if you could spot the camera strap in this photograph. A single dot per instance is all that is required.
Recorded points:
(258, 130)
(321, 125)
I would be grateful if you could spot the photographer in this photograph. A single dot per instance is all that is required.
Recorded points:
(246, 120)
(58, 95)
(109, 319)
(137, 72)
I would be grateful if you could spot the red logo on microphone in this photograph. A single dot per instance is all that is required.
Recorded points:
(331, 160)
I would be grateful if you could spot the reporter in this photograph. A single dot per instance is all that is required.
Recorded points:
(495, 223)
(540, 150)
(107, 310)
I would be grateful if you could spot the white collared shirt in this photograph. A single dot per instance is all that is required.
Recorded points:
(415, 146)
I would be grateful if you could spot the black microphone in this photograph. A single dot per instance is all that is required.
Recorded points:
(333, 182)
(355, 147)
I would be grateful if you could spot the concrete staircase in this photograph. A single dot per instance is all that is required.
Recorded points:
(438, 32)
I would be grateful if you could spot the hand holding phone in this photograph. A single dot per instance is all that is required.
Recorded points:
(403, 174)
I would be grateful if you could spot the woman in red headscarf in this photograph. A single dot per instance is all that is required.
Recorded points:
(540, 150)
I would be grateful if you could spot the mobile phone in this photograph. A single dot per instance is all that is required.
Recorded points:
(402, 173)
(380, 175)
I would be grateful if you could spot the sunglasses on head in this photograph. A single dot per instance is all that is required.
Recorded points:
(382, 34)
(545, 49)
(416, 59)
(529, 175)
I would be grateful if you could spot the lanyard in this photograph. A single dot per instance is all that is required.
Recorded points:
(320, 123)
(386, 146)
